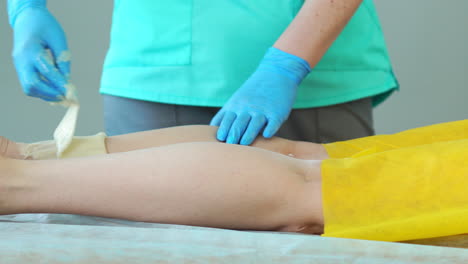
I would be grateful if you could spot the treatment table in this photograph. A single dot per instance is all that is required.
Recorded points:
(75, 239)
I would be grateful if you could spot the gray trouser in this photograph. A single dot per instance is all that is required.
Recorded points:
(320, 125)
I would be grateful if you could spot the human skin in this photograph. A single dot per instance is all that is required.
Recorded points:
(184, 134)
(201, 133)
(315, 28)
(156, 176)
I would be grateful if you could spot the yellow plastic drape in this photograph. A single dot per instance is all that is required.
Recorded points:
(413, 137)
(410, 185)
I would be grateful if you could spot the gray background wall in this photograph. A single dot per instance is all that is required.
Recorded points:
(427, 40)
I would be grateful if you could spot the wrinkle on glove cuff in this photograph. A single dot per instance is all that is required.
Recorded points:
(15, 7)
(401, 194)
(281, 62)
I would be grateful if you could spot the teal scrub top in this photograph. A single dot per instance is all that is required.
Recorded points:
(198, 52)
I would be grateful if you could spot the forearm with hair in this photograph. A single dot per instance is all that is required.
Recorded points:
(315, 28)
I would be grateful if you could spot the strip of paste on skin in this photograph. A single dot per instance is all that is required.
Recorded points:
(65, 131)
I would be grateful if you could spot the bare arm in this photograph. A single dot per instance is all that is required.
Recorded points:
(315, 27)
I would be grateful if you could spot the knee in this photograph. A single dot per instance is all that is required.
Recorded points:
(313, 192)
(303, 212)
(308, 150)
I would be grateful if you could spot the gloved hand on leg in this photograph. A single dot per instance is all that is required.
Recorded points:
(264, 101)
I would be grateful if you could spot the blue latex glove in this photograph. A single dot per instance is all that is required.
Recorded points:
(264, 101)
(39, 49)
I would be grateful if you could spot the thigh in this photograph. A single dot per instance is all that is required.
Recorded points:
(124, 115)
(329, 124)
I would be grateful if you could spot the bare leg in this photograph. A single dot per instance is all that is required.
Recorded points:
(11, 149)
(204, 184)
(200, 133)
(184, 134)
